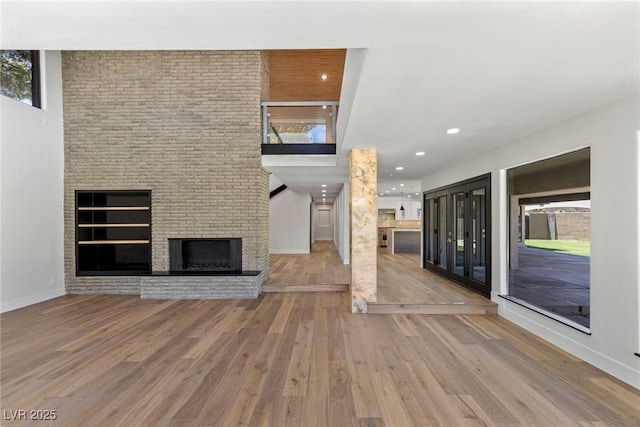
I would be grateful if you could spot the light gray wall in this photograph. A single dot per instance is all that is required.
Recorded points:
(342, 234)
(184, 124)
(612, 133)
(289, 223)
(31, 153)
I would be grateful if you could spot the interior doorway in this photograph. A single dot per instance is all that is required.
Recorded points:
(456, 233)
(323, 225)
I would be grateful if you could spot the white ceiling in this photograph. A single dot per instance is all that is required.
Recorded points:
(496, 70)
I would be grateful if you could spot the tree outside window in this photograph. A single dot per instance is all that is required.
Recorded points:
(20, 76)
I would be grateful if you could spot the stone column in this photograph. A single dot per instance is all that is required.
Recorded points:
(363, 176)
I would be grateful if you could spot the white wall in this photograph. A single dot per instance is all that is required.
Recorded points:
(323, 222)
(411, 206)
(341, 209)
(32, 159)
(612, 133)
(313, 220)
(274, 182)
(289, 223)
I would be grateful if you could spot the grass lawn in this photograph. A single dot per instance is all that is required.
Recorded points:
(573, 247)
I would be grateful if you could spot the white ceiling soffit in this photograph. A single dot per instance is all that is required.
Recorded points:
(177, 24)
(496, 70)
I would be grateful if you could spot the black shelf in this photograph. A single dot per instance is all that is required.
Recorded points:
(113, 232)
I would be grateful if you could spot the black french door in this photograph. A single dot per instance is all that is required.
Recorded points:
(456, 233)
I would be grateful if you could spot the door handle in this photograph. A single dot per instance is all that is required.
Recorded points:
(449, 240)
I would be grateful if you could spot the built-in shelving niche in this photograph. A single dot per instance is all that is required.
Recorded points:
(113, 232)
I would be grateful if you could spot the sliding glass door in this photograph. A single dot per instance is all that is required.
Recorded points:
(441, 260)
(457, 242)
(456, 233)
(431, 228)
(478, 232)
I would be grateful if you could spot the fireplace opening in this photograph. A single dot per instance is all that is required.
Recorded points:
(205, 255)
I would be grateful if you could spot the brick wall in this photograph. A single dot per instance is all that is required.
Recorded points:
(184, 124)
(574, 226)
(566, 226)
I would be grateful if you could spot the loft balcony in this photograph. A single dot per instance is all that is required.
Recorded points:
(299, 128)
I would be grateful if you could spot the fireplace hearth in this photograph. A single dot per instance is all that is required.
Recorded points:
(201, 255)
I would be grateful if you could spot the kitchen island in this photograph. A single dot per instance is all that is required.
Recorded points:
(404, 240)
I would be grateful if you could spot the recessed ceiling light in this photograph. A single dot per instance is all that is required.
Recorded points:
(323, 185)
(409, 195)
(399, 168)
(387, 191)
(393, 188)
(324, 77)
(390, 174)
(324, 191)
(417, 194)
(324, 107)
(401, 185)
(419, 153)
(453, 131)
(381, 194)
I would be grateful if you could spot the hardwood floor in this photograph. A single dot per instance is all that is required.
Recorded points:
(406, 288)
(290, 359)
(321, 270)
(403, 287)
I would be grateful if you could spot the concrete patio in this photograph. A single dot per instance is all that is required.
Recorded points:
(553, 281)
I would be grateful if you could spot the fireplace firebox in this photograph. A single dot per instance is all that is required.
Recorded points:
(205, 255)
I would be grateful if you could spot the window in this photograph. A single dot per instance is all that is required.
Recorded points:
(20, 77)
(550, 237)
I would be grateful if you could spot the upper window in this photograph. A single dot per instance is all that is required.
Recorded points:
(20, 77)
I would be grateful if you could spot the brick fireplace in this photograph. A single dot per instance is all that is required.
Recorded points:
(196, 256)
(185, 125)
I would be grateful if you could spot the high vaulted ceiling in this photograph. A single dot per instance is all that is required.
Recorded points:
(496, 70)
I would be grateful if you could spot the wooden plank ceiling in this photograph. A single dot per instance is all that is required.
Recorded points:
(295, 75)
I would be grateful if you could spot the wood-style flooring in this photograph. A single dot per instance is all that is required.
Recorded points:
(321, 270)
(403, 287)
(290, 359)
(406, 288)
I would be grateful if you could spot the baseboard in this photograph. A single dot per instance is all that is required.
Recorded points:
(30, 300)
(524, 318)
(345, 260)
(289, 252)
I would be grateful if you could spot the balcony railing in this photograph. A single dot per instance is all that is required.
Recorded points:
(299, 127)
